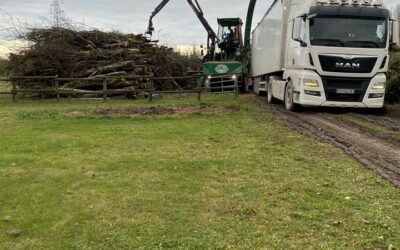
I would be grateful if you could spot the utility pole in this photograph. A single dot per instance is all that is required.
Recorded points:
(57, 14)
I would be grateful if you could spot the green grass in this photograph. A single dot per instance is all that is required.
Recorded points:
(236, 180)
(5, 87)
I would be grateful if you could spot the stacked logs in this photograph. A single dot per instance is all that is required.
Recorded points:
(95, 54)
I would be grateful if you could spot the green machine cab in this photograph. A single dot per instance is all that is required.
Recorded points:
(227, 63)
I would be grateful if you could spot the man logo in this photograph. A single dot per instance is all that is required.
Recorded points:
(341, 65)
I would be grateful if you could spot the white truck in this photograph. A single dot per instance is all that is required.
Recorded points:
(331, 53)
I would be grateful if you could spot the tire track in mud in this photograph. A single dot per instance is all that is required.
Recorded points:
(382, 156)
(382, 121)
(387, 130)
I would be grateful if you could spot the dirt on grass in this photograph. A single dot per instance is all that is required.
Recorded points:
(373, 139)
(394, 113)
(157, 110)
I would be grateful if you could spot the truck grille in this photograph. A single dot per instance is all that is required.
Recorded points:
(222, 84)
(354, 65)
(332, 84)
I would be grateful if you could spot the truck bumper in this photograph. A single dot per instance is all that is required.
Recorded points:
(317, 96)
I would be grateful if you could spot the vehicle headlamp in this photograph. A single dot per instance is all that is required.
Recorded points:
(311, 83)
(379, 85)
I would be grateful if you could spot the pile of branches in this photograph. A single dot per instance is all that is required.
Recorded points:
(94, 54)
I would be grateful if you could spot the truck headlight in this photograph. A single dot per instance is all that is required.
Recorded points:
(379, 85)
(311, 83)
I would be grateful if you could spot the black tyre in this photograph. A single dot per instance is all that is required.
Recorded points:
(271, 99)
(290, 105)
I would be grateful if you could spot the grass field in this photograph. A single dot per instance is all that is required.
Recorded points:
(230, 180)
(5, 87)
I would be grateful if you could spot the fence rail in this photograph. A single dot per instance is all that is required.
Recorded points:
(105, 92)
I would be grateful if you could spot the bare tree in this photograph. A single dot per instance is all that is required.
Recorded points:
(11, 31)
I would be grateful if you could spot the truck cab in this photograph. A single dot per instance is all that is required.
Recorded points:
(335, 53)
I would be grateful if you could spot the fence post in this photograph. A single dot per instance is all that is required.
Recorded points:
(152, 84)
(105, 90)
(150, 96)
(199, 95)
(56, 86)
(14, 90)
(236, 86)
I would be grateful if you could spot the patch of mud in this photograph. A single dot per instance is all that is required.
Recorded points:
(375, 153)
(382, 121)
(158, 110)
(393, 113)
(390, 131)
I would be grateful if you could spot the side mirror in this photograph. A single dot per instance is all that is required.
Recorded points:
(298, 31)
(395, 32)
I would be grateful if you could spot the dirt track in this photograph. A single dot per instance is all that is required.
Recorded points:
(373, 139)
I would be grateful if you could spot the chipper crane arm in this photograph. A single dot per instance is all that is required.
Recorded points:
(200, 15)
(212, 36)
(249, 23)
(157, 10)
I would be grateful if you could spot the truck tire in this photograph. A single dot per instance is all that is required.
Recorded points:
(270, 98)
(290, 105)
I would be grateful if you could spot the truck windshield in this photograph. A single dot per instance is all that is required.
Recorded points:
(355, 32)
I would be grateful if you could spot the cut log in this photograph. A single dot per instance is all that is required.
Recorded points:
(118, 73)
(110, 68)
(116, 45)
(112, 84)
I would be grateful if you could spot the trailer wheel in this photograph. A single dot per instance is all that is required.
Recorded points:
(289, 98)
(270, 98)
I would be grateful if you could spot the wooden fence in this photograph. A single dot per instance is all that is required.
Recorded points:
(58, 91)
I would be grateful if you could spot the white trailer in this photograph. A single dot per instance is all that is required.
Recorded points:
(331, 53)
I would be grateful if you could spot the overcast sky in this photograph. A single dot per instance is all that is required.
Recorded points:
(175, 25)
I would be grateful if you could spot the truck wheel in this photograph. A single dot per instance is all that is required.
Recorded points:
(289, 98)
(270, 98)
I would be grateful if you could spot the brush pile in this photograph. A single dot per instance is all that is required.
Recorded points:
(393, 78)
(95, 54)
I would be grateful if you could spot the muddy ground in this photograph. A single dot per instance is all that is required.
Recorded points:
(372, 138)
(181, 109)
